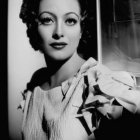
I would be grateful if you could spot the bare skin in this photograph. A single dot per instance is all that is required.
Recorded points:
(62, 70)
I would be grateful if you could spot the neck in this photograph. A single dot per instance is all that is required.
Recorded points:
(60, 71)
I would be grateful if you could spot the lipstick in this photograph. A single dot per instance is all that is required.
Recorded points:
(58, 45)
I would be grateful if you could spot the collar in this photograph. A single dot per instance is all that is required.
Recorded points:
(91, 62)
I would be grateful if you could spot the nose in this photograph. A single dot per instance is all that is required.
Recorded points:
(58, 31)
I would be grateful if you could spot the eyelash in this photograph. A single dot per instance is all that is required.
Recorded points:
(46, 20)
(49, 21)
(71, 21)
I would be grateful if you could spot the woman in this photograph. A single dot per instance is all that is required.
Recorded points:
(71, 97)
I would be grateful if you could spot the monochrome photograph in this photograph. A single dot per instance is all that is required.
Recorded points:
(70, 69)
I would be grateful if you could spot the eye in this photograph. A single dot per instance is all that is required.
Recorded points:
(71, 21)
(46, 20)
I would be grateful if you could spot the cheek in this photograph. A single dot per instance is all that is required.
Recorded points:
(74, 36)
(44, 34)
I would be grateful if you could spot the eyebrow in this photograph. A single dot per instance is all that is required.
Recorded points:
(74, 14)
(48, 12)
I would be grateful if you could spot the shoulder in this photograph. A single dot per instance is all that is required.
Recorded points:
(100, 72)
(37, 79)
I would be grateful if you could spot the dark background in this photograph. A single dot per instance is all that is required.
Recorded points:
(3, 70)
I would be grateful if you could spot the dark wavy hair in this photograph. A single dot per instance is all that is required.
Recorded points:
(29, 14)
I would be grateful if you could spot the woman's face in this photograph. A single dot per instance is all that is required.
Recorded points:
(59, 27)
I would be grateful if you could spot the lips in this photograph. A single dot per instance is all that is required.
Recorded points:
(58, 45)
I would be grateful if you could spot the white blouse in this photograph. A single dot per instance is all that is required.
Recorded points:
(74, 110)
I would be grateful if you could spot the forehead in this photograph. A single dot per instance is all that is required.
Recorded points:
(59, 6)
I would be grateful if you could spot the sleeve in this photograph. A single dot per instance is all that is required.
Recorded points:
(112, 102)
(24, 105)
(111, 92)
(32, 121)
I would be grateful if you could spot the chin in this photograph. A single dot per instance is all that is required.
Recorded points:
(59, 57)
